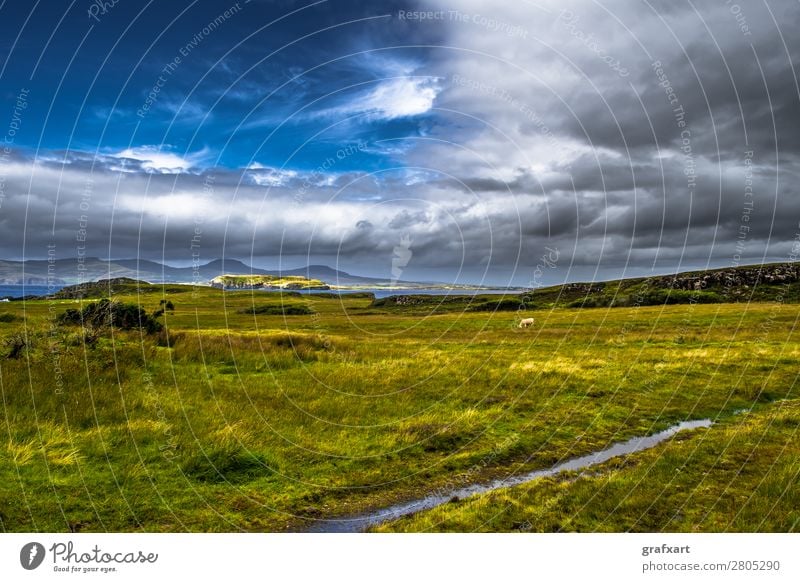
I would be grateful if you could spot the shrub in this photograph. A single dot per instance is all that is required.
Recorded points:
(347, 295)
(506, 304)
(655, 297)
(107, 313)
(285, 309)
(679, 296)
(16, 344)
(167, 339)
(590, 302)
(7, 318)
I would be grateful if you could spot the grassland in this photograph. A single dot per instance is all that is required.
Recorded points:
(744, 284)
(741, 474)
(240, 415)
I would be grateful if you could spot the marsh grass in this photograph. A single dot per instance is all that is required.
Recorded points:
(226, 421)
(741, 475)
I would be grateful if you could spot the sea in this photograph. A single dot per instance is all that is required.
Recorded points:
(381, 293)
(41, 290)
(22, 290)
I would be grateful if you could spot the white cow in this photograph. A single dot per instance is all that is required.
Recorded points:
(527, 322)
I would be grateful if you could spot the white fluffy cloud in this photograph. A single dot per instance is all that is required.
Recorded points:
(391, 99)
(403, 97)
(159, 159)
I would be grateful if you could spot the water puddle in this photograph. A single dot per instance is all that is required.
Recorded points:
(360, 523)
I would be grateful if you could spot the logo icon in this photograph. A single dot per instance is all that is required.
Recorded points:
(402, 255)
(31, 555)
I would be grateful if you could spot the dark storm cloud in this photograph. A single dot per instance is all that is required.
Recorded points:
(647, 165)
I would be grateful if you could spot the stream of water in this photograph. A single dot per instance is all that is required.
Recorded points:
(360, 523)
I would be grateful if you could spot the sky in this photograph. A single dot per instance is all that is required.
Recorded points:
(503, 143)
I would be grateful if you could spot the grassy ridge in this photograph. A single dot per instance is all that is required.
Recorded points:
(233, 421)
(754, 283)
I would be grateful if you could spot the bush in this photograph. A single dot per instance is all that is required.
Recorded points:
(165, 339)
(344, 295)
(424, 300)
(107, 313)
(679, 296)
(590, 302)
(16, 344)
(7, 318)
(164, 305)
(285, 309)
(655, 297)
(506, 304)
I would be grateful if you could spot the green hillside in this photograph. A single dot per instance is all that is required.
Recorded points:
(267, 282)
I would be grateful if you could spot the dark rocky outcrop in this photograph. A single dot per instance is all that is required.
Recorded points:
(771, 282)
(775, 274)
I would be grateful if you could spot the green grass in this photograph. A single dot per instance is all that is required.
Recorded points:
(740, 475)
(226, 421)
(776, 282)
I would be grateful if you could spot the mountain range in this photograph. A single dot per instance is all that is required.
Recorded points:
(71, 271)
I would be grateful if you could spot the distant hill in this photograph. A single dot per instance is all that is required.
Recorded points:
(70, 272)
(117, 286)
(771, 282)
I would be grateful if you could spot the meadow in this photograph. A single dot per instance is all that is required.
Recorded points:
(252, 411)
